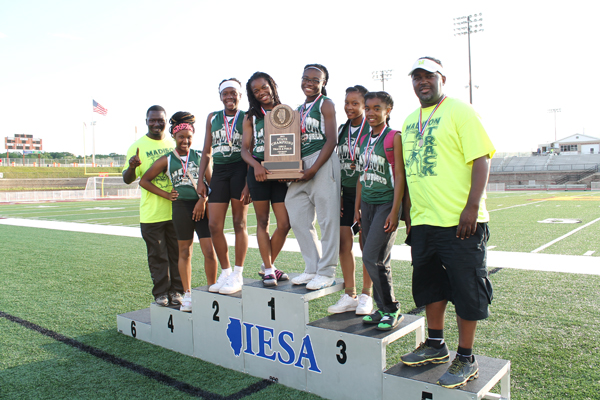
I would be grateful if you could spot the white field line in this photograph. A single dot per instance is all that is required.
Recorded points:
(564, 236)
(518, 205)
(589, 253)
(95, 219)
(496, 259)
(66, 215)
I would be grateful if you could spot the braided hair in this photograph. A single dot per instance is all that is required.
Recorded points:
(358, 88)
(383, 96)
(255, 107)
(324, 70)
(181, 117)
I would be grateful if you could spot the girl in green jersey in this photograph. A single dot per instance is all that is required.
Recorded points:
(262, 96)
(378, 200)
(317, 192)
(222, 145)
(189, 210)
(349, 137)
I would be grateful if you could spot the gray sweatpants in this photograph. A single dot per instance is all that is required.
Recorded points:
(377, 253)
(317, 199)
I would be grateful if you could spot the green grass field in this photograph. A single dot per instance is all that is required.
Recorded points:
(55, 172)
(75, 284)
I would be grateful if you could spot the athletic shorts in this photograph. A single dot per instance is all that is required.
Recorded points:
(348, 201)
(269, 190)
(448, 268)
(185, 225)
(227, 182)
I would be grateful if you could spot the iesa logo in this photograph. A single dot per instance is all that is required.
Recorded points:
(284, 338)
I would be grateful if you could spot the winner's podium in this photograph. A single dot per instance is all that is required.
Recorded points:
(265, 332)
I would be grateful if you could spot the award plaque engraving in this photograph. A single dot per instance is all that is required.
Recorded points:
(282, 143)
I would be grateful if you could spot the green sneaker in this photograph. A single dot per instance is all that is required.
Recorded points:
(373, 318)
(389, 321)
(425, 354)
(459, 373)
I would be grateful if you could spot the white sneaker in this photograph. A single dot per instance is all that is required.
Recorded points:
(221, 281)
(262, 270)
(303, 278)
(320, 282)
(186, 303)
(345, 303)
(365, 305)
(233, 285)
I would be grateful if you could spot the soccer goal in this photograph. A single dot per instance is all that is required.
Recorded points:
(111, 186)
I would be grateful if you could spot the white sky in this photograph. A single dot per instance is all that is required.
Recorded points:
(56, 56)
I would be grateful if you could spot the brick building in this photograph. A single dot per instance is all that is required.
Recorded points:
(22, 142)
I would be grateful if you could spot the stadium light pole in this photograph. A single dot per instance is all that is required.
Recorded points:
(474, 24)
(554, 110)
(382, 75)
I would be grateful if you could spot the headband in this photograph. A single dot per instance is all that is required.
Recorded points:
(183, 126)
(427, 65)
(228, 84)
(313, 67)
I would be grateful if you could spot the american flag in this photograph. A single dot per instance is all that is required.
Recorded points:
(98, 108)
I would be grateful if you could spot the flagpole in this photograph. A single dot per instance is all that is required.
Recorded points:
(84, 161)
(93, 144)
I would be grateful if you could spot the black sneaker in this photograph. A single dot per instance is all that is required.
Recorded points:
(162, 300)
(425, 354)
(459, 373)
(374, 318)
(176, 298)
(389, 321)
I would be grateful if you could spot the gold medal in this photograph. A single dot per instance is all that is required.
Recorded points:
(232, 146)
(353, 166)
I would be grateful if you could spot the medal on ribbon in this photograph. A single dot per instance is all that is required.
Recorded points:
(185, 180)
(351, 148)
(421, 126)
(304, 113)
(229, 130)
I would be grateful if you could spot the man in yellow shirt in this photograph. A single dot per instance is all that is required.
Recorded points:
(446, 154)
(155, 212)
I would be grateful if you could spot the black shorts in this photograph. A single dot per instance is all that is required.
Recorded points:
(348, 201)
(228, 181)
(448, 268)
(269, 190)
(185, 225)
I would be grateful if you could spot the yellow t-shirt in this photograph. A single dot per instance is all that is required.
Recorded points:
(153, 208)
(438, 173)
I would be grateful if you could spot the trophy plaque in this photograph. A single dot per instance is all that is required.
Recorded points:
(282, 143)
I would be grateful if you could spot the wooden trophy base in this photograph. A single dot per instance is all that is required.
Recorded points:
(283, 170)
